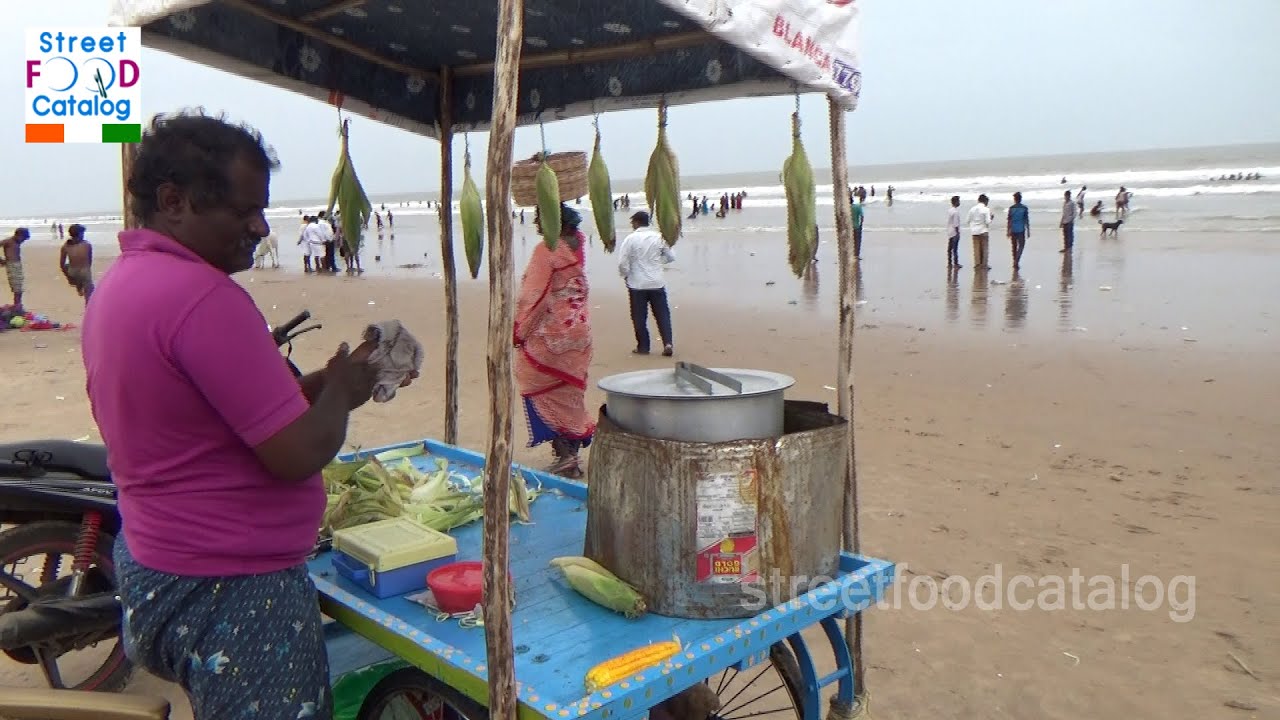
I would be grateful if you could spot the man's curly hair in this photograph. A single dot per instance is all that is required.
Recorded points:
(193, 151)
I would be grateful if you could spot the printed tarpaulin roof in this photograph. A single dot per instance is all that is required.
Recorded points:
(384, 58)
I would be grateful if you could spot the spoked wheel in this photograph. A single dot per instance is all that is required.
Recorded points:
(410, 694)
(771, 689)
(39, 556)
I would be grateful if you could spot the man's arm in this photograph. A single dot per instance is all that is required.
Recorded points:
(62, 259)
(624, 257)
(232, 360)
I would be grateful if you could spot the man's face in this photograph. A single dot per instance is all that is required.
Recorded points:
(226, 236)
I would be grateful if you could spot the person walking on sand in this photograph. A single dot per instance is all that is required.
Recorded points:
(76, 262)
(1068, 222)
(980, 217)
(1018, 224)
(953, 233)
(11, 261)
(641, 256)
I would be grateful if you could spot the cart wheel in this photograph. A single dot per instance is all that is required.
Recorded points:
(769, 690)
(410, 694)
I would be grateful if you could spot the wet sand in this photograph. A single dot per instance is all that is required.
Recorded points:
(992, 432)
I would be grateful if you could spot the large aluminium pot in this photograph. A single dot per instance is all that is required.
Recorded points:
(697, 404)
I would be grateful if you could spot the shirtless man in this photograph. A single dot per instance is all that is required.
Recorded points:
(76, 262)
(12, 262)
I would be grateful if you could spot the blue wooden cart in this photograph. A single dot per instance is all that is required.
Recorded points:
(759, 666)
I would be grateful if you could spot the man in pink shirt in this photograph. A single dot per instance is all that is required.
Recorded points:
(215, 447)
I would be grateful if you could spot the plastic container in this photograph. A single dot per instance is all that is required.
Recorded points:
(457, 587)
(391, 557)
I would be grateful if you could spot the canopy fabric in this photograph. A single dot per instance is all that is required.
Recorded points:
(384, 59)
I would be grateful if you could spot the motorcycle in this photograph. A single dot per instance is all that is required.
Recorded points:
(57, 500)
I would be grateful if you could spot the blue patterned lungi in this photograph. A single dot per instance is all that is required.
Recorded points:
(242, 647)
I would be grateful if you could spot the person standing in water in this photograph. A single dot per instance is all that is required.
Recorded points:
(1018, 224)
(76, 262)
(953, 233)
(857, 230)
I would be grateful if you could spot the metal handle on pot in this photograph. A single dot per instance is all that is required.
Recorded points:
(698, 376)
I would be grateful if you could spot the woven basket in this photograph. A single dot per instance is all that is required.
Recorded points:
(570, 169)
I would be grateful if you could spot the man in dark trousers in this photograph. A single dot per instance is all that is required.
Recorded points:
(1018, 225)
(641, 256)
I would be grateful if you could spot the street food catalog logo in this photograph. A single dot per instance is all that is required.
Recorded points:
(83, 85)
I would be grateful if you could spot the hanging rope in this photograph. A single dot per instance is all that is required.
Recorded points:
(542, 130)
(466, 148)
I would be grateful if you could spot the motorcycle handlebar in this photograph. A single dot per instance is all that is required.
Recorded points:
(281, 333)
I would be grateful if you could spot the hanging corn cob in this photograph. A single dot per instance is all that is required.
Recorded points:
(601, 196)
(615, 670)
(662, 184)
(548, 203)
(802, 203)
(346, 192)
(472, 214)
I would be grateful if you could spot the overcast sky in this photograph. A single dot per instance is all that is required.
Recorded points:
(942, 80)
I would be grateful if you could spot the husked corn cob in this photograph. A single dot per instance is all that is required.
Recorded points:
(583, 562)
(601, 194)
(548, 188)
(629, 663)
(662, 185)
(604, 588)
(802, 207)
(472, 214)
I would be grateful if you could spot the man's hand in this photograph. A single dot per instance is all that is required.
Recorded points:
(353, 376)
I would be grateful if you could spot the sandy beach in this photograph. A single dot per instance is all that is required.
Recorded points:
(1115, 414)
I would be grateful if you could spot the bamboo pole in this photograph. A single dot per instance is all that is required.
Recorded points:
(450, 269)
(844, 368)
(497, 472)
(128, 152)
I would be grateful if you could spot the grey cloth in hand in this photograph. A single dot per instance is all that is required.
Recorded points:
(397, 355)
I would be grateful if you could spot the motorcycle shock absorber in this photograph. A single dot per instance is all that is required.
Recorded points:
(86, 546)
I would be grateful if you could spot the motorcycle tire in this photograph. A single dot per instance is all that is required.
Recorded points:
(59, 538)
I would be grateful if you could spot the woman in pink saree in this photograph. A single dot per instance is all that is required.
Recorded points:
(553, 346)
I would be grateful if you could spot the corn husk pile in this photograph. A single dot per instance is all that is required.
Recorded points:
(388, 485)
(348, 194)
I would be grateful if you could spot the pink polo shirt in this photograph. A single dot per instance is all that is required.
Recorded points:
(184, 381)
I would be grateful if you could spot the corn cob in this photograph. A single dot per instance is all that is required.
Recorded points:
(472, 214)
(629, 663)
(802, 208)
(348, 195)
(584, 562)
(548, 188)
(604, 589)
(662, 185)
(601, 197)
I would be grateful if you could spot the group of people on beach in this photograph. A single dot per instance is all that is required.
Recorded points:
(702, 205)
(323, 242)
(75, 262)
(1018, 225)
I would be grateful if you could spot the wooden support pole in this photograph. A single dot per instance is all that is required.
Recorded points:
(844, 365)
(497, 471)
(450, 269)
(128, 152)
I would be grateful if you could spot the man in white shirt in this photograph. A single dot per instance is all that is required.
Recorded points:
(953, 233)
(1068, 222)
(641, 256)
(314, 236)
(980, 217)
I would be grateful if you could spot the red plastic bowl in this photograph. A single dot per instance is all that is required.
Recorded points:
(458, 587)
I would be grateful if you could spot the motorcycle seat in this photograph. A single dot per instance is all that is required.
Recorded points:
(86, 460)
